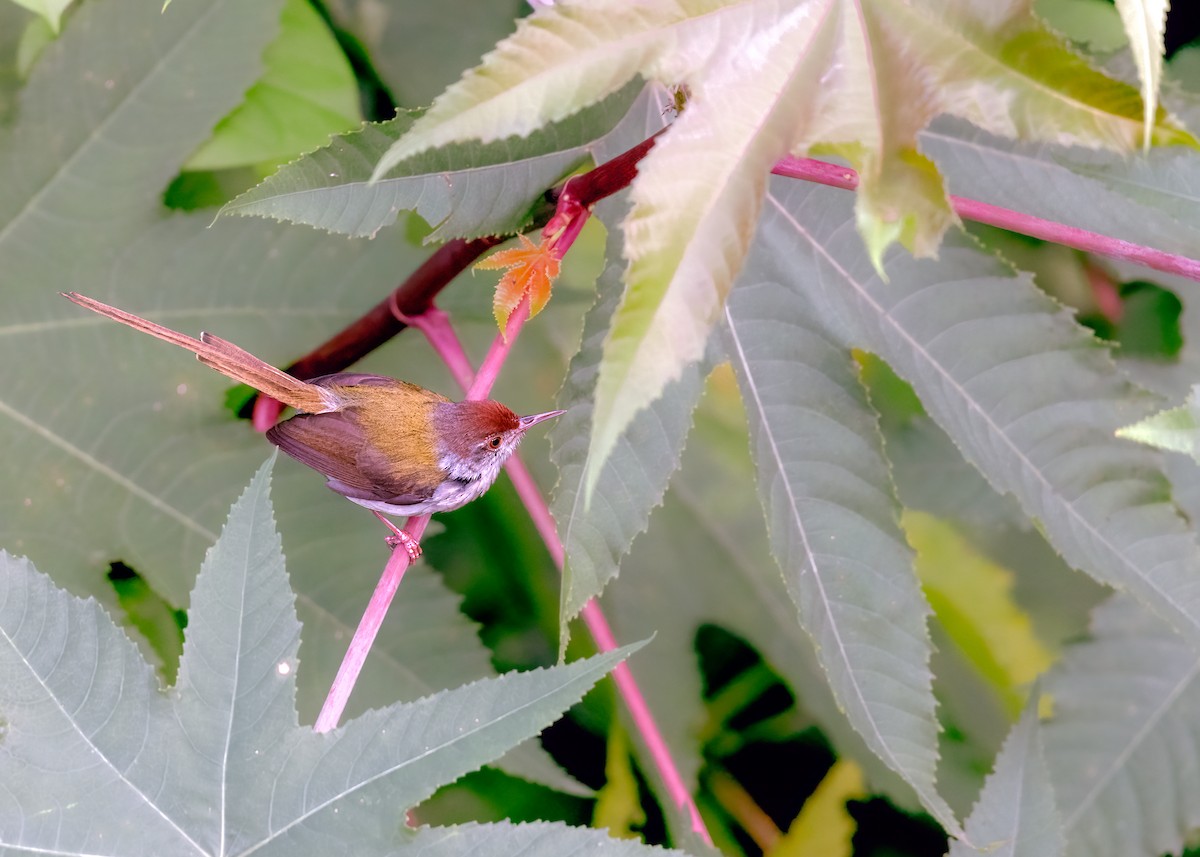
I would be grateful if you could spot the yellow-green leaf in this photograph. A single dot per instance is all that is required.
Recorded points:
(618, 803)
(972, 598)
(824, 828)
(306, 94)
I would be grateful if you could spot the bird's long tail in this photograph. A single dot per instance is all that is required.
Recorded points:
(226, 358)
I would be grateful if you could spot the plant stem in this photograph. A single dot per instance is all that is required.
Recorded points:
(436, 327)
(368, 628)
(1014, 221)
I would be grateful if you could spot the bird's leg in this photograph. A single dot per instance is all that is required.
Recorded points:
(400, 537)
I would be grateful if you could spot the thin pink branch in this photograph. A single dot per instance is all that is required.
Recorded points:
(368, 628)
(1014, 221)
(437, 329)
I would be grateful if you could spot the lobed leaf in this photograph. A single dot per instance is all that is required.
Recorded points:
(831, 512)
(1030, 398)
(597, 534)
(463, 190)
(97, 761)
(826, 73)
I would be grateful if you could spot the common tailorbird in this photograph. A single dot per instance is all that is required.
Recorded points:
(391, 446)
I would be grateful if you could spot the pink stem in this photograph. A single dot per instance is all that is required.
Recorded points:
(368, 628)
(643, 719)
(442, 337)
(1014, 221)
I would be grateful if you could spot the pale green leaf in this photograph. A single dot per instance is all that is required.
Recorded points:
(995, 362)
(1175, 430)
(51, 11)
(1122, 745)
(464, 190)
(306, 94)
(1146, 23)
(597, 534)
(833, 519)
(1094, 23)
(98, 761)
(1016, 814)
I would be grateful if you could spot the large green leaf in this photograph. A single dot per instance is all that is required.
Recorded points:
(464, 190)
(1016, 814)
(833, 519)
(862, 79)
(705, 560)
(306, 94)
(99, 132)
(1122, 745)
(97, 761)
(127, 444)
(1031, 398)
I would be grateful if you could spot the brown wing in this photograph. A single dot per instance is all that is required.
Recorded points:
(337, 444)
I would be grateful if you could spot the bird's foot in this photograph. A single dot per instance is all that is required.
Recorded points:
(399, 537)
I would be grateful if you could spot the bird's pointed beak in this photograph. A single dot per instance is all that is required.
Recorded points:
(527, 422)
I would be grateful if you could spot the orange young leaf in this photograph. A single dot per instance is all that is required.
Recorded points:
(531, 269)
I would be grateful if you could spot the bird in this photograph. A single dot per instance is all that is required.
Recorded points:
(388, 445)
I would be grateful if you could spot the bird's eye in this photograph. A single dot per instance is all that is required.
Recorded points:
(494, 443)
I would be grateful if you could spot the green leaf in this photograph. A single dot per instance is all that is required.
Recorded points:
(705, 560)
(306, 94)
(221, 763)
(825, 74)
(832, 515)
(130, 441)
(1175, 430)
(100, 132)
(1146, 23)
(1125, 704)
(1016, 814)
(464, 190)
(992, 358)
(50, 10)
(1096, 24)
